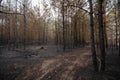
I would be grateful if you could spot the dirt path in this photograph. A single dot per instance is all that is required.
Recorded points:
(49, 65)
(69, 66)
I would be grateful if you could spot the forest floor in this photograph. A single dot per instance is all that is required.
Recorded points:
(36, 63)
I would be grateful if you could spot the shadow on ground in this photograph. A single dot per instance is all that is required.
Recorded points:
(75, 65)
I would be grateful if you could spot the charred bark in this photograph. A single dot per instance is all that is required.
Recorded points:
(101, 35)
(94, 58)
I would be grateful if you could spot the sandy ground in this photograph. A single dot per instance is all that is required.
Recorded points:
(48, 64)
(62, 67)
(12, 62)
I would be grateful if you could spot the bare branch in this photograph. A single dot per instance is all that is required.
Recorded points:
(79, 8)
(11, 13)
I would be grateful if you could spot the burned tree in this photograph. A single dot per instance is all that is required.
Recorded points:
(101, 34)
(94, 58)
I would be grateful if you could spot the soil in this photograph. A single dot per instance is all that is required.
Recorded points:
(35, 63)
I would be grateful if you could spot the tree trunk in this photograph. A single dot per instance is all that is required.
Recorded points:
(104, 22)
(64, 46)
(24, 27)
(95, 64)
(116, 25)
(16, 28)
(1, 31)
(119, 23)
(101, 35)
(9, 26)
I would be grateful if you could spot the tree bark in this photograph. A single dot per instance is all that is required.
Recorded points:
(1, 31)
(119, 24)
(95, 64)
(24, 27)
(101, 35)
(64, 46)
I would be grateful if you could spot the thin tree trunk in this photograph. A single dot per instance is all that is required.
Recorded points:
(95, 64)
(71, 32)
(101, 35)
(9, 25)
(104, 22)
(24, 27)
(16, 28)
(116, 22)
(1, 28)
(83, 41)
(64, 46)
(119, 23)
(44, 28)
(75, 30)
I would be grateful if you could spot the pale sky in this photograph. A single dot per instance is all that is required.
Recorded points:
(36, 2)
